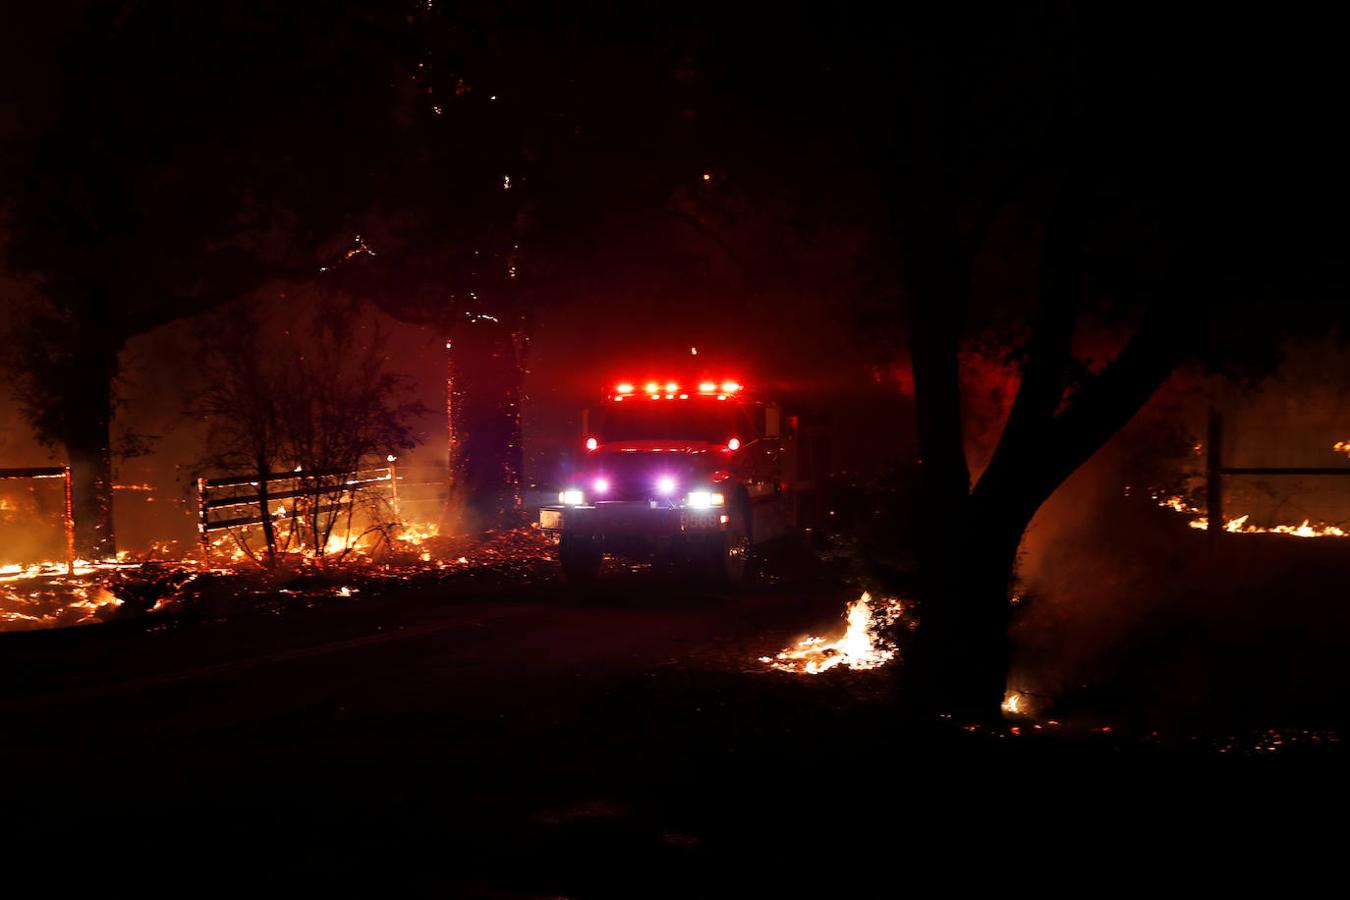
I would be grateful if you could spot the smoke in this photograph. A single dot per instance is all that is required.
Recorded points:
(1125, 608)
(154, 497)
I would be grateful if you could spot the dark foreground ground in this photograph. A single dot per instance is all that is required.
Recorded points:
(620, 741)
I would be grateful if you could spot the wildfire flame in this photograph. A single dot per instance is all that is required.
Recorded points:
(862, 645)
(417, 533)
(49, 595)
(1240, 525)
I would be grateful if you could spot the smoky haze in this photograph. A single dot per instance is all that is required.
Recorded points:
(1125, 606)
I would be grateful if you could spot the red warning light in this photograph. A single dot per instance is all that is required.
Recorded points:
(592, 443)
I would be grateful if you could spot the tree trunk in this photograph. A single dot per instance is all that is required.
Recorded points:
(88, 442)
(269, 532)
(483, 395)
(958, 662)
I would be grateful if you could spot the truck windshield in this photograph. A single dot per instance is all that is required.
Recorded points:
(657, 420)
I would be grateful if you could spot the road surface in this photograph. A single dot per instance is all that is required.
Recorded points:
(537, 741)
(508, 715)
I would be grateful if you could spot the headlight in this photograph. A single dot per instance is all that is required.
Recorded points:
(704, 499)
(571, 497)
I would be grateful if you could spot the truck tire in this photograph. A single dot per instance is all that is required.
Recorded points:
(580, 557)
(732, 563)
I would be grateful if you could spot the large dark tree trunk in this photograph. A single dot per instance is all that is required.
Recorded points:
(88, 442)
(958, 662)
(483, 412)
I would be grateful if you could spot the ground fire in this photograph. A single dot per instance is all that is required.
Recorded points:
(45, 595)
(863, 645)
(1240, 525)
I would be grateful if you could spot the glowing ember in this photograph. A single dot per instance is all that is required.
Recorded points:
(42, 595)
(862, 646)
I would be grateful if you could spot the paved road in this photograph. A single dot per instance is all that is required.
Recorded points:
(499, 717)
(541, 742)
(457, 650)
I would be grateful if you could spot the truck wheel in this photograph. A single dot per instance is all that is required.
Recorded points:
(733, 563)
(580, 558)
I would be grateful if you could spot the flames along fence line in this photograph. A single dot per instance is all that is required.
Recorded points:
(1216, 471)
(339, 497)
(207, 504)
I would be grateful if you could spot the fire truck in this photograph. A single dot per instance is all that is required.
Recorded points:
(692, 474)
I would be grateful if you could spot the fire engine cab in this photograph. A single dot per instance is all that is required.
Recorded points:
(688, 473)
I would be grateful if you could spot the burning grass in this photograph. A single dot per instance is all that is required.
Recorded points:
(42, 600)
(1242, 524)
(863, 645)
(43, 595)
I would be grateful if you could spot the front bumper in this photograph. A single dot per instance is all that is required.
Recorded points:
(625, 520)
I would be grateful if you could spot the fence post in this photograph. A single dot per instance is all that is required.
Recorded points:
(69, 518)
(1214, 477)
(202, 522)
(393, 488)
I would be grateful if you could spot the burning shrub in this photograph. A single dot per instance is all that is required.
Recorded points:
(306, 394)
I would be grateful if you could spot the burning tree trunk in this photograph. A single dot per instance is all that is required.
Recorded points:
(483, 395)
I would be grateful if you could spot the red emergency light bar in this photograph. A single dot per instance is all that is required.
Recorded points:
(670, 390)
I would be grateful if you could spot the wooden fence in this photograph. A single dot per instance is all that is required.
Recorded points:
(236, 502)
